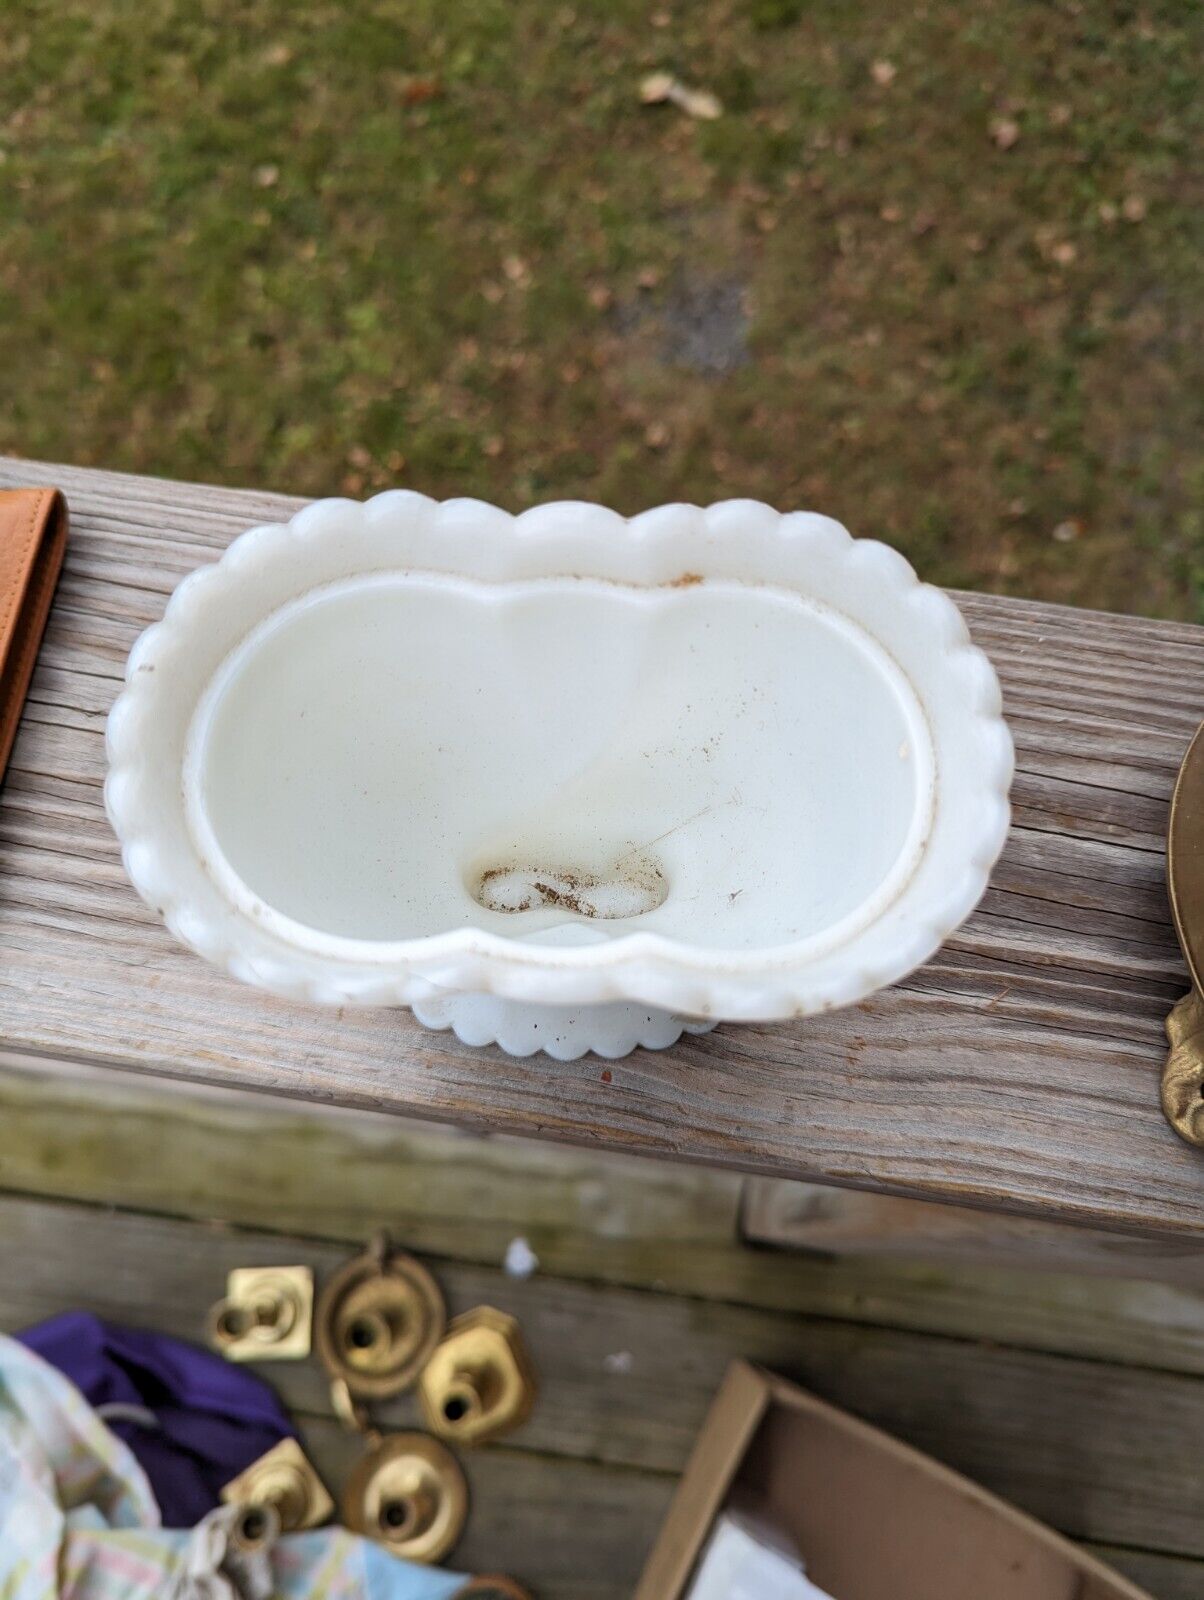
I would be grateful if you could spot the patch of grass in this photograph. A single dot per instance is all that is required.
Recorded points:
(953, 259)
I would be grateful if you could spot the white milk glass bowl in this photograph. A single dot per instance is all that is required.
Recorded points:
(562, 781)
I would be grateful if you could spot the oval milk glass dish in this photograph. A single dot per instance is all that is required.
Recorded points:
(562, 781)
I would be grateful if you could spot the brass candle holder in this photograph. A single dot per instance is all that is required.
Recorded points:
(284, 1482)
(267, 1314)
(479, 1381)
(408, 1493)
(378, 1320)
(380, 1327)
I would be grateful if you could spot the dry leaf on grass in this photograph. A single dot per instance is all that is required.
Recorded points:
(417, 91)
(1004, 132)
(654, 89)
(884, 73)
(661, 87)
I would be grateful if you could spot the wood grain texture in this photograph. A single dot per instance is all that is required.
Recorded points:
(1165, 1577)
(1018, 1070)
(1097, 1450)
(843, 1222)
(250, 1161)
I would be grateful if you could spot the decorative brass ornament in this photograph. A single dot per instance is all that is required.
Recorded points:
(409, 1494)
(379, 1318)
(479, 1382)
(284, 1480)
(267, 1314)
(491, 1588)
(1183, 1076)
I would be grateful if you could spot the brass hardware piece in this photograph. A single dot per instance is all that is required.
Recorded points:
(267, 1314)
(479, 1382)
(1183, 1075)
(379, 1318)
(257, 1528)
(283, 1480)
(350, 1413)
(491, 1588)
(409, 1494)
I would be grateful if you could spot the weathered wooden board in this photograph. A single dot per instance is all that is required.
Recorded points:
(846, 1222)
(1018, 1070)
(264, 1163)
(1101, 1451)
(1165, 1577)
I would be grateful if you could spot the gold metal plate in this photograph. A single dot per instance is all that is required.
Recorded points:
(378, 1320)
(479, 1382)
(409, 1494)
(267, 1314)
(284, 1479)
(1183, 1077)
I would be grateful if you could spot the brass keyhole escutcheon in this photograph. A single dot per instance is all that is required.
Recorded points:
(408, 1494)
(479, 1382)
(378, 1320)
(267, 1314)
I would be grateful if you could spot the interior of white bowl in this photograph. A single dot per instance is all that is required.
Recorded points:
(717, 760)
(398, 755)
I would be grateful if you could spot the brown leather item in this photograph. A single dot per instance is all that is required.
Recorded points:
(33, 536)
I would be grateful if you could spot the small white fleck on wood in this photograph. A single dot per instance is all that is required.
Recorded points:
(520, 1260)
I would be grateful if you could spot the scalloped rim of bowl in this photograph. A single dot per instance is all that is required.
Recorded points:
(213, 610)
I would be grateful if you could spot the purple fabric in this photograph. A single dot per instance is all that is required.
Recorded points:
(214, 1418)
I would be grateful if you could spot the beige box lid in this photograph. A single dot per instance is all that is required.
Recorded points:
(873, 1518)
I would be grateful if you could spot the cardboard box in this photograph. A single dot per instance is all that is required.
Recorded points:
(872, 1518)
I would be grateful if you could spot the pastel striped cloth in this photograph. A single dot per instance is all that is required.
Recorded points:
(78, 1520)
